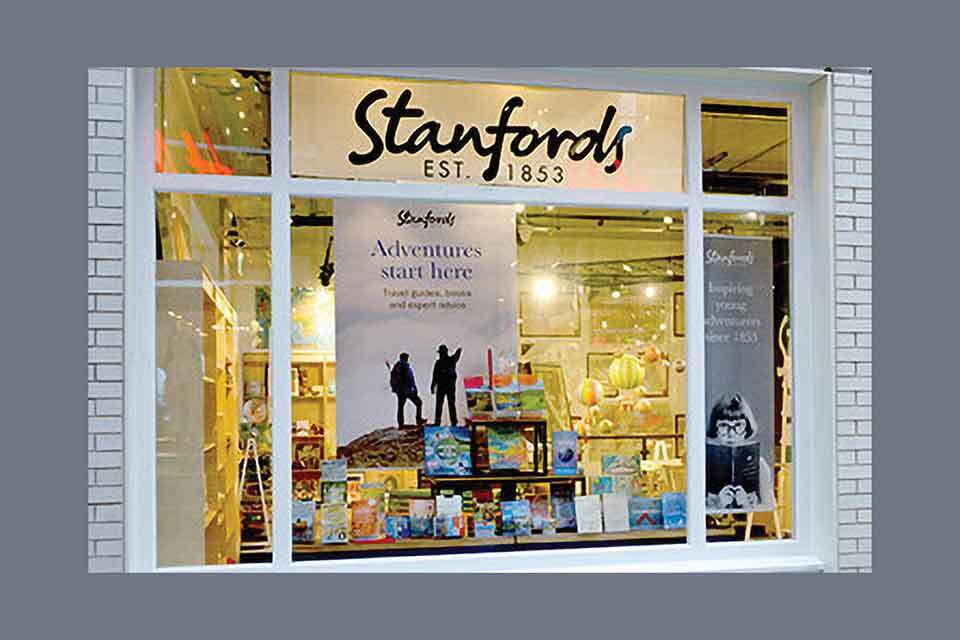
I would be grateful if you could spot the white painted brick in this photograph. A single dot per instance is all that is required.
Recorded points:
(845, 398)
(864, 224)
(104, 424)
(865, 544)
(843, 107)
(846, 427)
(841, 136)
(864, 427)
(853, 122)
(844, 282)
(844, 253)
(854, 531)
(846, 340)
(854, 471)
(845, 516)
(843, 194)
(104, 495)
(853, 325)
(109, 95)
(865, 486)
(863, 108)
(865, 515)
(847, 546)
(846, 457)
(103, 320)
(105, 146)
(105, 530)
(105, 354)
(854, 559)
(109, 268)
(864, 253)
(110, 129)
(846, 486)
(864, 457)
(115, 548)
(863, 195)
(851, 180)
(105, 77)
(105, 180)
(864, 311)
(849, 93)
(109, 372)
(110, 164)
(109, 233)
(864, 340)
(842, 79)
(854, 384)
(109, 407)
(855, 502)
(853, 238)
(864, 398)
(846, 369)
(853, 413)
(109, 476)
(854, 296)
(105, 564)
(109, 198)
(846, 311)
(114, 112)
(111, 513)
(104, 215)
(863, 166)
(104, 459)
(109, 338)
(862, 137)
(109, 442)
(863, 79)
(855, 210)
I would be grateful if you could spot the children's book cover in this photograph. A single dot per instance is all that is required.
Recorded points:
(303, 513)
(517, 518)
(334, 491)
(422, 514)
(485, 520)
(506, 396)
(674, 506)
(589, 514)
(450, 522)
(533, 399)
(506, 446)
(446, 451)
(479, 398)
(398, 527)
(565, 453)
(333, 523)
(539, 509)
(601, 484)
(645, 513)
(367, 514)
(564, 511)
(334, 470)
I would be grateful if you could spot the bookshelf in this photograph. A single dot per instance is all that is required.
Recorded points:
(197, 419)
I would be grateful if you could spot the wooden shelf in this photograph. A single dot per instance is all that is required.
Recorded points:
(494, 478)
(396, 545)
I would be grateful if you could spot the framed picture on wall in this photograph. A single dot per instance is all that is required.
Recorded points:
(679, 315)
(598, 368)
(558, 407)
(555, 318)
(656, 382)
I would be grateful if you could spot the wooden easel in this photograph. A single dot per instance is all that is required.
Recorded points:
(251, 450)
(786, 419)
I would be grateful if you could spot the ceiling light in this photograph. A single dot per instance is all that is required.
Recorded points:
(615, 294)
(227, 130)
(518, 208)
(751, 216)
(235, 83)
(544, 288)
(627, 267)
(193, 80)
(669, 272)
(246, 129)
(603, 324)
(667, 220)
(650, 292)
(242, 115)
(550, 207)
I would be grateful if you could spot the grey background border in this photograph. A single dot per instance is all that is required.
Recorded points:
(44, 390)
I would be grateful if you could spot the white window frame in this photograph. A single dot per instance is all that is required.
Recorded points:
(812, 546)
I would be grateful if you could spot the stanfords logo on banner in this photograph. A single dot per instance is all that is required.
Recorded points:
(731, 259)
(427, 220)
(486, 141)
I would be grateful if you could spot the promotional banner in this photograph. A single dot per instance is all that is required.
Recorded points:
(423, 290)
(738, 331)
(480, 133)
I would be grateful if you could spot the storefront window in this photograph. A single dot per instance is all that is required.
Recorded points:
(467, 374)
(508, 377)
(212, 121)
(749, 403)
(213, 410)
(746, 147)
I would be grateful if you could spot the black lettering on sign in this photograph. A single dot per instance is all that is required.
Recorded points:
(486, 141)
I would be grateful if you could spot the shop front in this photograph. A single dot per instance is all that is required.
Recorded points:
(417, 320)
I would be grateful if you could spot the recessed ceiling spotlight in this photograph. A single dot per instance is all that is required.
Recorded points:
(242, 115)
(667, 220)
(650, 292)
(235, 83)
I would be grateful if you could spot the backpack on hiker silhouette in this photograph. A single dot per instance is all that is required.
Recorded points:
(396, 376)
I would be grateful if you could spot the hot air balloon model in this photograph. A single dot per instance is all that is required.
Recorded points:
(591, 391)
(651, 354)
(626, 372)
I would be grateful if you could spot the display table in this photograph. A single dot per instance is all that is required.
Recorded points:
(537, 425)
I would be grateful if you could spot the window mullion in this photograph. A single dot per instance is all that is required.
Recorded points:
(696, 359)
(280, 318)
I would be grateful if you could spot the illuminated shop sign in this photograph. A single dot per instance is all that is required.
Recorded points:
(385, 129)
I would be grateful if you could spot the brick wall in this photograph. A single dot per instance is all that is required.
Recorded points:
(853, 169)
(105, 134)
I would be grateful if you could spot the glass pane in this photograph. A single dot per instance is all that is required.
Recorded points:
(213, 407)
(368, 128)
(212, 120)
(569, 431)
(746, 147)
(748, 377)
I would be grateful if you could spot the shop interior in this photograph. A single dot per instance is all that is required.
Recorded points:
(593, 285)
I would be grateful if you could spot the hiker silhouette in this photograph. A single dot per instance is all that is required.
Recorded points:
(444, 382)
(404, 385)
